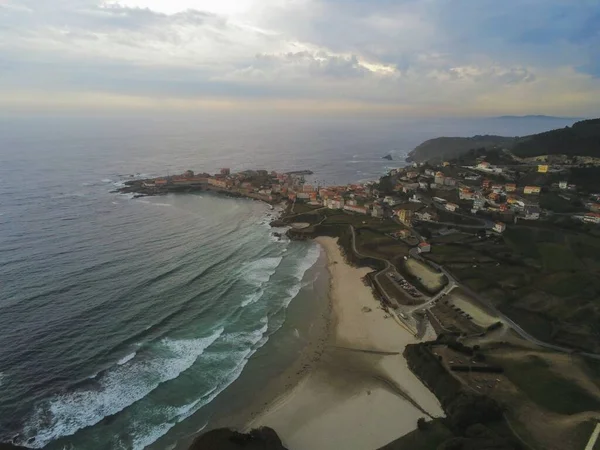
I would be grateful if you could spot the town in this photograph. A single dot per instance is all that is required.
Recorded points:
(486, 251)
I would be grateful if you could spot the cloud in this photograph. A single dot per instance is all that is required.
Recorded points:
(403, 54)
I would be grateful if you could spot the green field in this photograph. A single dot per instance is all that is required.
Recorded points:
(547, 389)
(558, 258)
(522, 240)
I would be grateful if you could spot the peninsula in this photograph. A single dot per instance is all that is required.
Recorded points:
(478, 283)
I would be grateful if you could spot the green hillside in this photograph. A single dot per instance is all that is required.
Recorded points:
(582, 139)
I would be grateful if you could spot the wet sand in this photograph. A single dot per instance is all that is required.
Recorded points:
(351, 388)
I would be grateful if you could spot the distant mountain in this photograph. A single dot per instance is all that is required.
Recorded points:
(452, 147)
(536, 117)
(581, 139)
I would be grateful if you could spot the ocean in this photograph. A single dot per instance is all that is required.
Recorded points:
(131, 323)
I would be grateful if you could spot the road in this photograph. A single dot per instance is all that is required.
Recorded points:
(507, 320)
(453, 283)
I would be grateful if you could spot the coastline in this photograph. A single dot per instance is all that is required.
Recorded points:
(351, 386)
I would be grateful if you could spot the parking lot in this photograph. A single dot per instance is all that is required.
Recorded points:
(404, 285)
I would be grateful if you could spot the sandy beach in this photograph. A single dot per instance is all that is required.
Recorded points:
(352, 389)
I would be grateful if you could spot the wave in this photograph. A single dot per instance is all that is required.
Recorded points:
(144, 436)
(67, 412)
(252, 298)
(126, 359)
(260, 271)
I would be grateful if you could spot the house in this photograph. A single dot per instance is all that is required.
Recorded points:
(424, 247)
(594, 207)
(563, 185)
(531, 190)
(428, 215)
(222, 183)
(446, 164)
(335, 203)
(497, 188)
(465, 193)
(410, 187)
(439, 178)
(429, 172)
(160, 182)
(484, 165)
(415, 199)
(486, 184)
(412, 174)
(308, 188)
(591, 218)
(449, 181)
(510, 187)
(543, 168)
(225, 171)
(451, 206)
(377, 211)
(440, 200)
(499, 227)
(356, 209)
(304, 196)
(423, 185)
(405, 216)
(391, 200)
(478, 203)
(532, 212)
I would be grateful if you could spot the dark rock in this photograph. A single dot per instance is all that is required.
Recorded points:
(225, 439)
(388, 157)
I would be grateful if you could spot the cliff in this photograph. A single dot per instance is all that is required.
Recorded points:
(225, 439)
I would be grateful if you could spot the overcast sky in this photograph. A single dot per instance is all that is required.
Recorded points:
(409, 57)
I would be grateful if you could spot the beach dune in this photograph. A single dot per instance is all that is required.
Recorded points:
(360, 395)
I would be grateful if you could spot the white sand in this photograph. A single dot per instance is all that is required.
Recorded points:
(353, 399)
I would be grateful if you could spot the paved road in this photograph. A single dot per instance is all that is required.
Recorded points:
(511, 323)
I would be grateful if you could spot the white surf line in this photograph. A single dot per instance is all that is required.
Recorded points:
(593, 437)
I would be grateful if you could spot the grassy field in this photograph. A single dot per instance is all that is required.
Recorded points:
(548, 390)
(557, 258)
(434, 281)
(522, 240)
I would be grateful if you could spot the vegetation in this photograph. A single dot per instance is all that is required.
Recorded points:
(450, 147)
(582, 139)
(550, 391)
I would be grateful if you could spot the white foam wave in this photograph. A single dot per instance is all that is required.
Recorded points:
(126, 359)
(252, 298)
(252, 340)
(121, 386)
(309, 260)
(260, 271)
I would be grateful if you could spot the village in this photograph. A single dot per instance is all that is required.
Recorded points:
(451, 245)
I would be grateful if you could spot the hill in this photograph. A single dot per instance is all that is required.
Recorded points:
(451, 147)
(581, 139)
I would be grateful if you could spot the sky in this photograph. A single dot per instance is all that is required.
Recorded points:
(395, 57)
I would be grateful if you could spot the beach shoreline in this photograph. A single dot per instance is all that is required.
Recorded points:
(351, 386)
